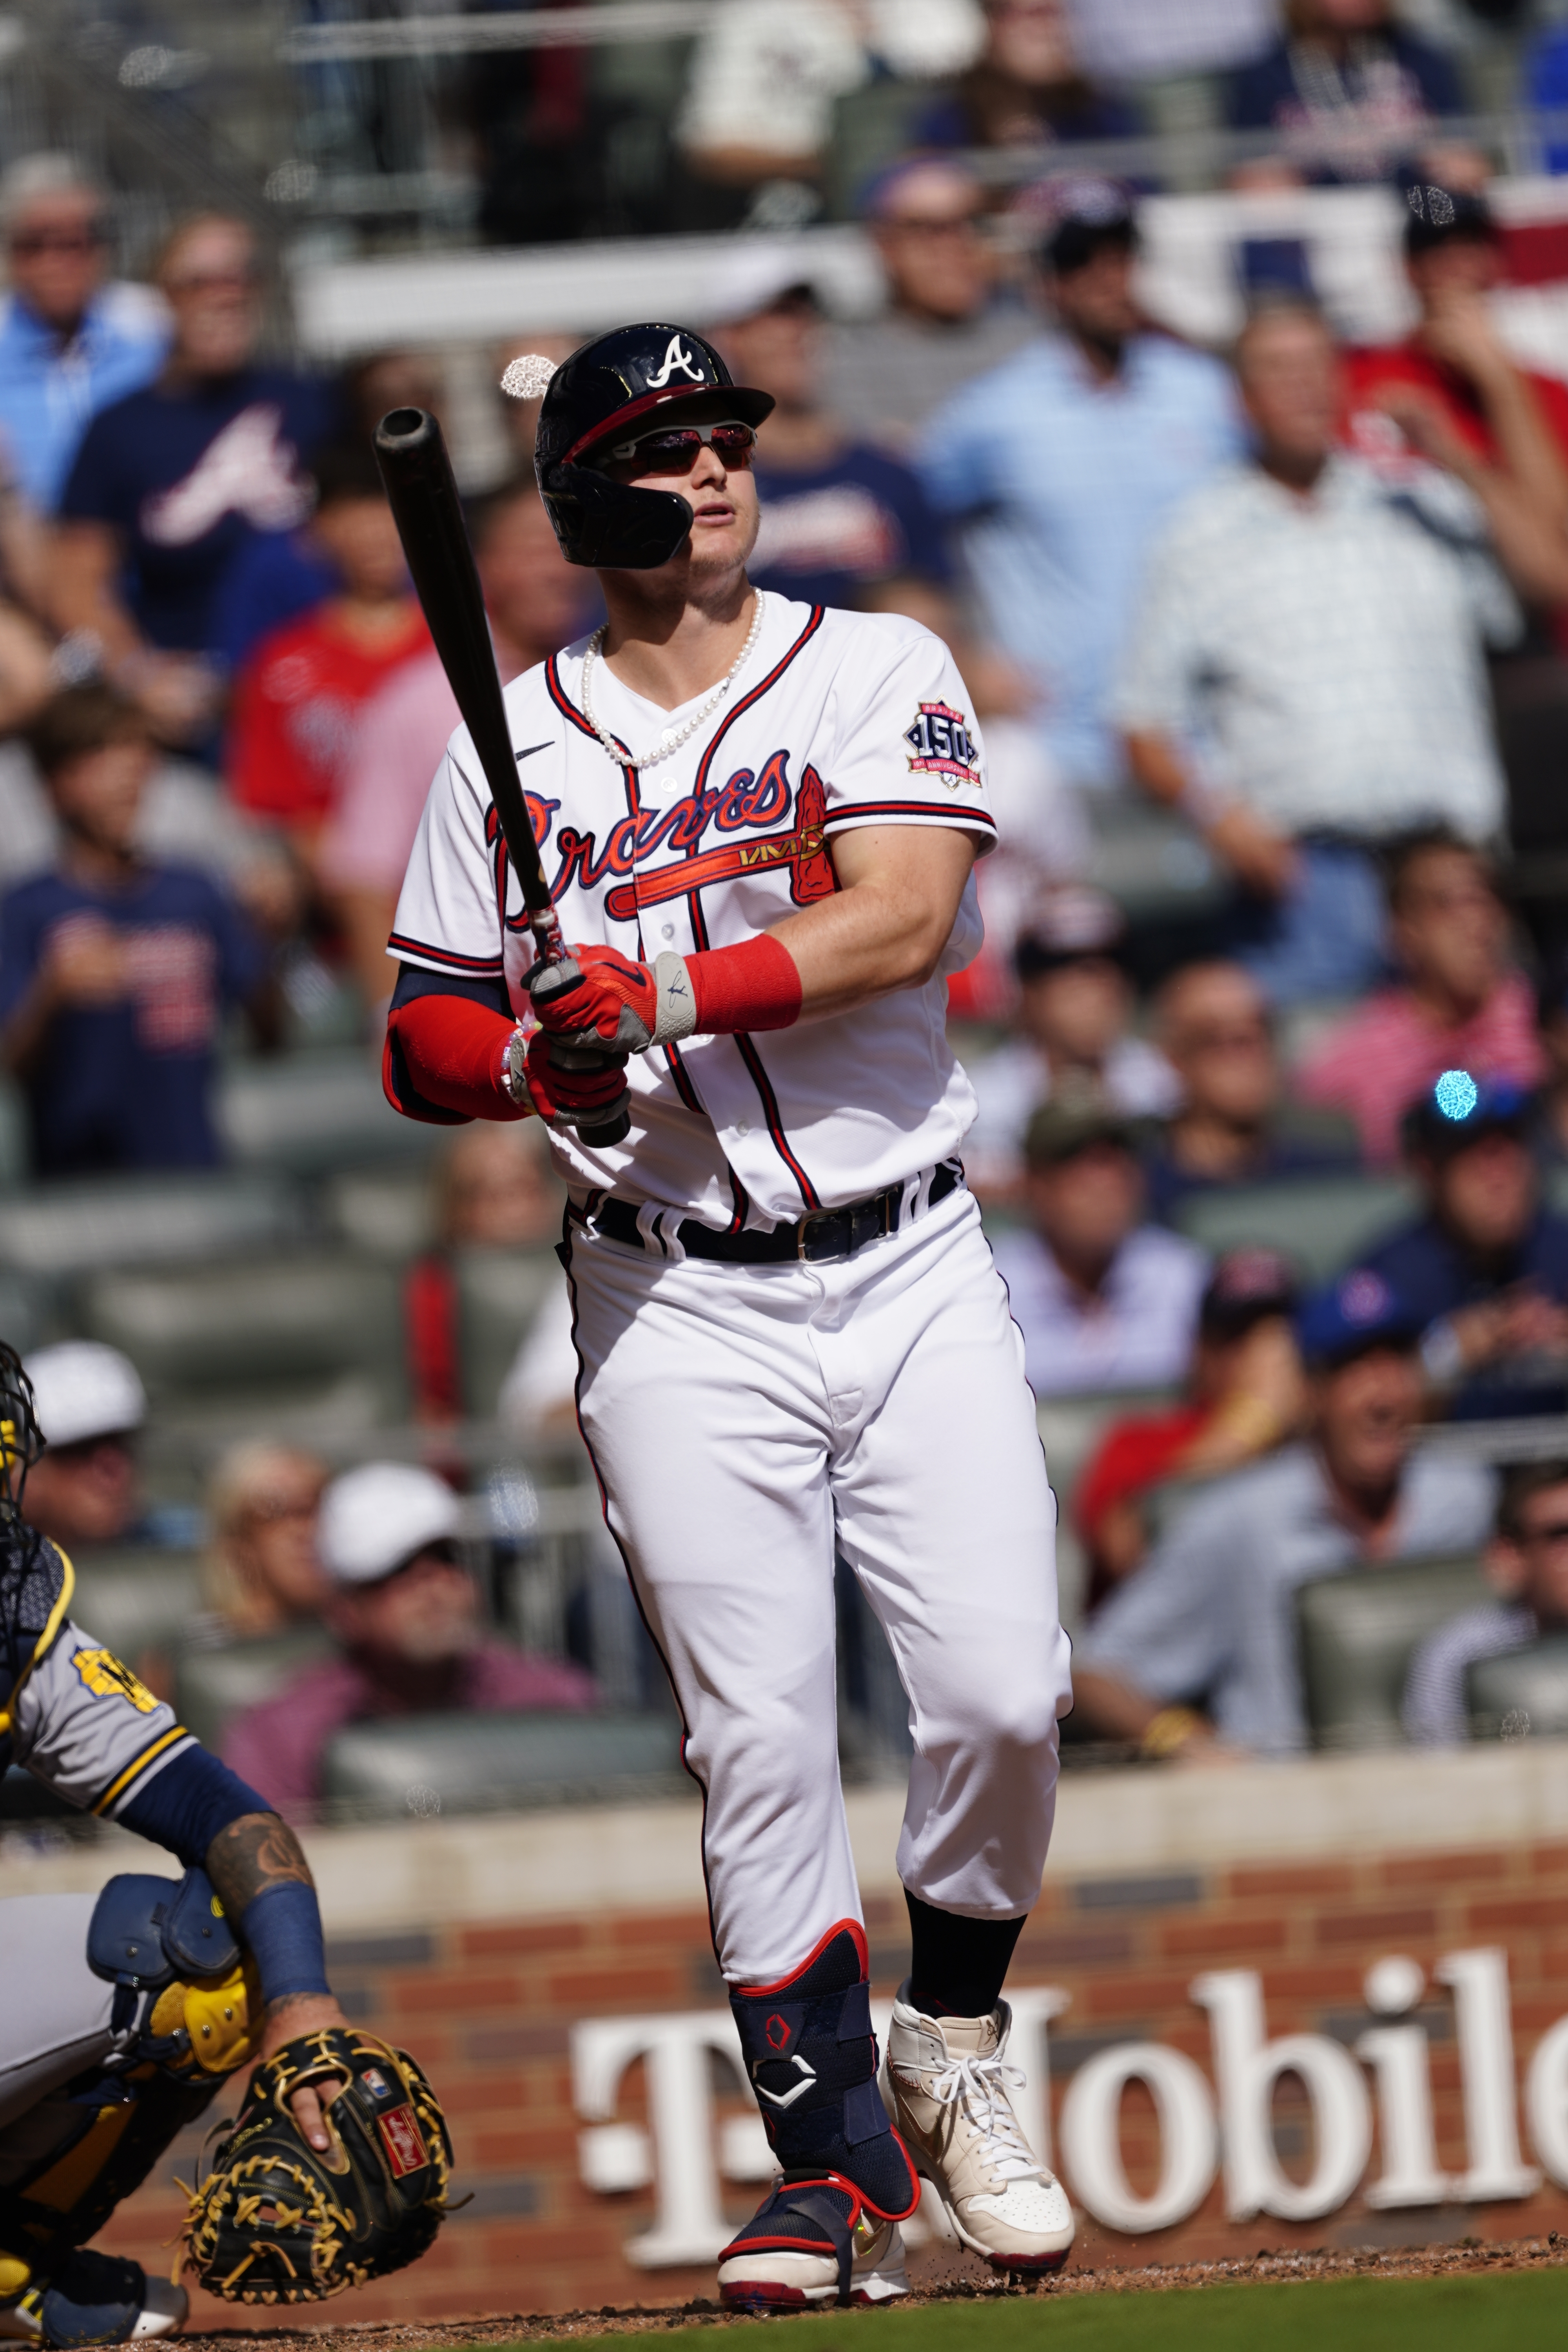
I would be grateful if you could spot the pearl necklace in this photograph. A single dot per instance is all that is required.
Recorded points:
(672, 739)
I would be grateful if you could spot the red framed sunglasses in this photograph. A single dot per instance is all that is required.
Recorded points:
(672, 448)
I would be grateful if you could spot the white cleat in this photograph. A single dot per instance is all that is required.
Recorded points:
(787, 2279)
(164, 2310)
(950, 2083)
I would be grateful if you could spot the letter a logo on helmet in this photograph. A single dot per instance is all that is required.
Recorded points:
(676, 357)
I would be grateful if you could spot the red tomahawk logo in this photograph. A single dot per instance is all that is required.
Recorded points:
(804, 849)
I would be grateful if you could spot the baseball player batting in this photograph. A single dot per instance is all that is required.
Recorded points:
(124, 2012)
(758, 821)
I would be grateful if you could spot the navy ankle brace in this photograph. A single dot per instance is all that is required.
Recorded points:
(811, 2057)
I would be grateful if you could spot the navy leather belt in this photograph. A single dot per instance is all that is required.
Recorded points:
(817, 1240)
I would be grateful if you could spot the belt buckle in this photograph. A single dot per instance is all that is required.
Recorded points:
(803, 1234)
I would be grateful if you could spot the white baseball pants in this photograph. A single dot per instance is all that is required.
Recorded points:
(742, 1418)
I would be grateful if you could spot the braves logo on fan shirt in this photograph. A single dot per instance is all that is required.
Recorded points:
(249, 469)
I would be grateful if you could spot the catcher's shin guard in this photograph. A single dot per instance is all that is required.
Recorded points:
(91, 2299)
(811, 2057)
(112, 2130)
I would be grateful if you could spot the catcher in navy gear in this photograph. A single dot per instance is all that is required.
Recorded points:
(124, 2012)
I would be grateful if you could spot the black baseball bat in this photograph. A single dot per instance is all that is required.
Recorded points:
(423, 492)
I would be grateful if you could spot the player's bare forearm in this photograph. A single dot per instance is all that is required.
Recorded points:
(885, 926)
(254, 1854)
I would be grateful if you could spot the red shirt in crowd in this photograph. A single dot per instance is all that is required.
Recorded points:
(1407, 364)
(1389, 1050)
(1132, 1456)
(296, 706)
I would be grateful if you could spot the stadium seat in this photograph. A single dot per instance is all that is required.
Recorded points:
(213, 1686)
(1357, 1633)
(1321, 1223)
(134, 1599)
(500, 1292)
(305, 1334)
(1522, 1692)
(1151, 861)
(71, 1229)
(474, 1763)
(313, 1111)
(13, 1136)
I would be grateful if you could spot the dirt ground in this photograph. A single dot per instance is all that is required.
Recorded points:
(1416, 2261)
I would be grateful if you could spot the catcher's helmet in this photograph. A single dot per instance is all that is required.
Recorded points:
(627, 374)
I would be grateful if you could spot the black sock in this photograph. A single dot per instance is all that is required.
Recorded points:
(959, 1964)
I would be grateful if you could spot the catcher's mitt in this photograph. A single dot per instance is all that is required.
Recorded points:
(278, 2222)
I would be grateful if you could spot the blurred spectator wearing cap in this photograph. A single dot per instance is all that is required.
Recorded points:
(1351, 94)
(1526, 1561)
(1103, 1300)
(1072, 1030)
(945, 321)
(1200, 1645)
(115, 972)
(298, 700)
(171, 480)
(1211, 1024)
(495, 1189)
(1244, 1395)
(1460, 1003)
(1453, 371)
(1307, 678)
(71, 341)
(1485, 1266)
(406, 1615)
(85, 1488)
(537, 603)
(1027, 88)
(260, 1574)
(758, 108)
(1062, 464)
(843, 522)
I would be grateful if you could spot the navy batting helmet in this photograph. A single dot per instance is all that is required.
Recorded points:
(625, 374)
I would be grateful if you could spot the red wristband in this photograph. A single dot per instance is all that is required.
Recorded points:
(452, 1050)
(753, 986)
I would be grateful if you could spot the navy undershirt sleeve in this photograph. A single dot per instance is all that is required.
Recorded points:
(186, 1805)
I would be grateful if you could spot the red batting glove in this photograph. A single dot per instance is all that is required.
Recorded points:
(616, 1000)
(565, 1097)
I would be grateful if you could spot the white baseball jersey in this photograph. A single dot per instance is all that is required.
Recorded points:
(838, 720)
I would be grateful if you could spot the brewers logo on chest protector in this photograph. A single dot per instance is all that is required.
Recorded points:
(837, 720)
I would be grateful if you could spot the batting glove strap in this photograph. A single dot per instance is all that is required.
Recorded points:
(514, 1070)
(676, 1014)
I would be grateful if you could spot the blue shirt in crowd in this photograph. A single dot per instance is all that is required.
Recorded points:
(49, 389)
(1061, 482)
(187, 477)
(832, 530)
(125, 1084)
(276, 577)
(1435, 1276)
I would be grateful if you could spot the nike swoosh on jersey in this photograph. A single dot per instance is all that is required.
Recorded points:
(530, 751)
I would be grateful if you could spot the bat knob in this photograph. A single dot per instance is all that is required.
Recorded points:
(613, 1128)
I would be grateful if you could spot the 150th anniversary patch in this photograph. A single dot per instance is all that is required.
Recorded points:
(941, 745)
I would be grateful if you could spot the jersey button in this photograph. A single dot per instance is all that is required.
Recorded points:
(668, 931)
(743, 1127)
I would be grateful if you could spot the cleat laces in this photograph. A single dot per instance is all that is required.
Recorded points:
(978, 2087)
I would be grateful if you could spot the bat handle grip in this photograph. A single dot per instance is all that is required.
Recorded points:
(560, 976)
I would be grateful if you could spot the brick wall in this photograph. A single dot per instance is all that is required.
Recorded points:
(488, 2009)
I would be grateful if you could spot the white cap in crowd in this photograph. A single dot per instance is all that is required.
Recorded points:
(375, 1517)
(84, 1389)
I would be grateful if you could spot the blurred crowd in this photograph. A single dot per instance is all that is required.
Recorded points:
(1276, 1186)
